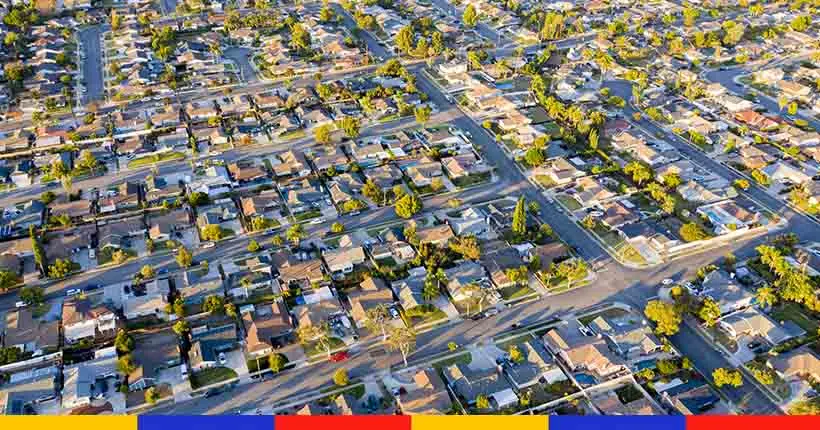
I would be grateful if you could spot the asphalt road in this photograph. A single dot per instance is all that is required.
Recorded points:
(727, 79)
(241, 57)
(92, 64)
(746, 397)
(614, 282)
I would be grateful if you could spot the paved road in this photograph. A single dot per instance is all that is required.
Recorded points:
(614, 283)
(800, 224)
(727, 79)
(746, 397)
(241, 57)
(92, 64)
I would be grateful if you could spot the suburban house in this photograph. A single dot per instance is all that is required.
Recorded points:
(462, 278)
(627, 336)
(87, 380)
(164, 227)
(435, 235)
(82, 320)
(800, 363)
(558, 170)
(468, 384)
(537, 367)
(30, 335)
(207, 343)
(151, 302)
(427, 396)
(589, 191)
(372, 292)
(782, 172)
(199, 283)
(752, 323)
(727, 216)
(342, 261)
(267, 328)
(728, 294)
(582, 353)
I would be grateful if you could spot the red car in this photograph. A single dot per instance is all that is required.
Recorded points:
(339, 356)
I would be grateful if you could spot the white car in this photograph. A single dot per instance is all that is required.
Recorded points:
(667, 281)
(20, 305)
(72, 292)
(222, 358)
(208, 245)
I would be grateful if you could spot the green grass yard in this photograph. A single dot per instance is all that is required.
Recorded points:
(210, 376)
(154, 159)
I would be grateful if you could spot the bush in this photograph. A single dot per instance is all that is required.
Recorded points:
(691, 232)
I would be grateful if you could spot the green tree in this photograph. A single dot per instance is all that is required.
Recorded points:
(709, 312)
(181, 328)
(152, 395)
(125, 365)
(766, 296)
(32, 295)
(296, 233)
(470, 17)
(691, 232)
(277, 362)
(482, 402)
(184, 257)
(337, 227)
(467, 246)
(214, 304)
(402, 339)
(534, 157)
(253, 246)
(8, 279)
(146, 272)
(722, 376)
(664, 315)
(211, 232)
(422, 114)
(519, 221)
(340, 377)
(405, 39)
(408, 206)
(350, 125)
(515, 354)
(639, 171)
(430, 291)
(124, 342)
(61, 268)
(322, 133)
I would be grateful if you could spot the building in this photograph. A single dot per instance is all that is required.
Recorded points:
(536, 368)
(30, 335)
(751, 323)
(82, 320)
(267, 327)
(428, 396)
(468, 384)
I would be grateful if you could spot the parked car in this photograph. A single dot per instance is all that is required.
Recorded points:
(72, 292)
(340, 356)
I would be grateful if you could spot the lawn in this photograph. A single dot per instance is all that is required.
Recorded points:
(295, 134)
(105, 255)
(261, 363)
(515, 292)
(630, 254)
(463, 358)
(568, 202)
(794, 312)
(302, 216)
(545, 181)
(313, 349)
(467, 181)
(154, 159)
(210, 376)
(418, 318)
